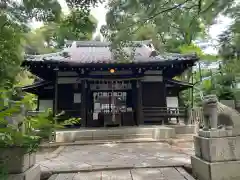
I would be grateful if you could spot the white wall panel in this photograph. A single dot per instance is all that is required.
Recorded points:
(45, 104)
(172, 102)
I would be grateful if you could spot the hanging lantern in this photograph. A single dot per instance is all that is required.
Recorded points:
(112, 71)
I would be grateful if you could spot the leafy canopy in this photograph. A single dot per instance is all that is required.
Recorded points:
(15, 17)
(174, 22)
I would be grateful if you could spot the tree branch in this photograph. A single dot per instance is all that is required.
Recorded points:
(3, 25)
(153, 16)
(166, 10)
(157, 14)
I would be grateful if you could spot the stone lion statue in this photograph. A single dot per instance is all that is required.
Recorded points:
(218, 115)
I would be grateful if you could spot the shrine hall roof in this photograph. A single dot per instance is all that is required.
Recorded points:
(92, 52)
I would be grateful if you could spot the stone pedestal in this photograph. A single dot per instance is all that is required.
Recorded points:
(19, 165)
(32, 173)
(217, 155)
(16, 160)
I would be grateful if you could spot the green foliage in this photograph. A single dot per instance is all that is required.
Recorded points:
(14, 39)
(189, 49)
(78, 25)
(41, 125)
(221, 83)
(11, 134)
(31, 129)
(45, 123)
(229, 40)
(173, 23)
(10, 54)
(14, 30)
(70, 121)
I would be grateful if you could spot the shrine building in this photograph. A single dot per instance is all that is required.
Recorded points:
(86, 80)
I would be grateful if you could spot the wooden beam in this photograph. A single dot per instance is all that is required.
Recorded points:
(139, 107)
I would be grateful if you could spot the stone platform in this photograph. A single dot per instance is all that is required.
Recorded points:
(115, 133)
(130, 174)
(113, 156)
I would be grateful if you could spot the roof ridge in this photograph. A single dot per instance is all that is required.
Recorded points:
(94, 43)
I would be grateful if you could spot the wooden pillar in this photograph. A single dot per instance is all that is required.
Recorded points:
(83, 103)
(55, 102)
(139, 107)
(165, 119)
(134, 101)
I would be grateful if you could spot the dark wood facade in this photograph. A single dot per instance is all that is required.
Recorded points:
(110, 93)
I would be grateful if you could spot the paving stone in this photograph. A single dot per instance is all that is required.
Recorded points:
(171, 174)
(144, 174)
(88, 176)
(69, 176)
(184, 173)
(116, 175)
(133, 174)
(130, 155)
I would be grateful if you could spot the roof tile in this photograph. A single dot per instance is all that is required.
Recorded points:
(99, 52)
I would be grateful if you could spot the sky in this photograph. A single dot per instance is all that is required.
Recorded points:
(100, 12)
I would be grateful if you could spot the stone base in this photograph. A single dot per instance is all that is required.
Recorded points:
(31, 174)
(217, 149)
(117, 133)
(16, 159)
(216, 133)
(203, 170)
(183, 129)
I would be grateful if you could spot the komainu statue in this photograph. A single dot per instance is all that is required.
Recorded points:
(218, 115)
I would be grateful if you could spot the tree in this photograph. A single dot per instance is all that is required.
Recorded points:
(14, 19)
(229, 40)
(35, 43)
(78, 25)
(175, 22)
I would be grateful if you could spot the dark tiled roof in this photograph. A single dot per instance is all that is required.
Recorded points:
(85, 52)
(178, 83)
(36, 85)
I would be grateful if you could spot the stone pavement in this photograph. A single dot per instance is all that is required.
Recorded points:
(114, 156)
(133, 174)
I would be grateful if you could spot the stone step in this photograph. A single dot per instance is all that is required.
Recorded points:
(120, 133)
